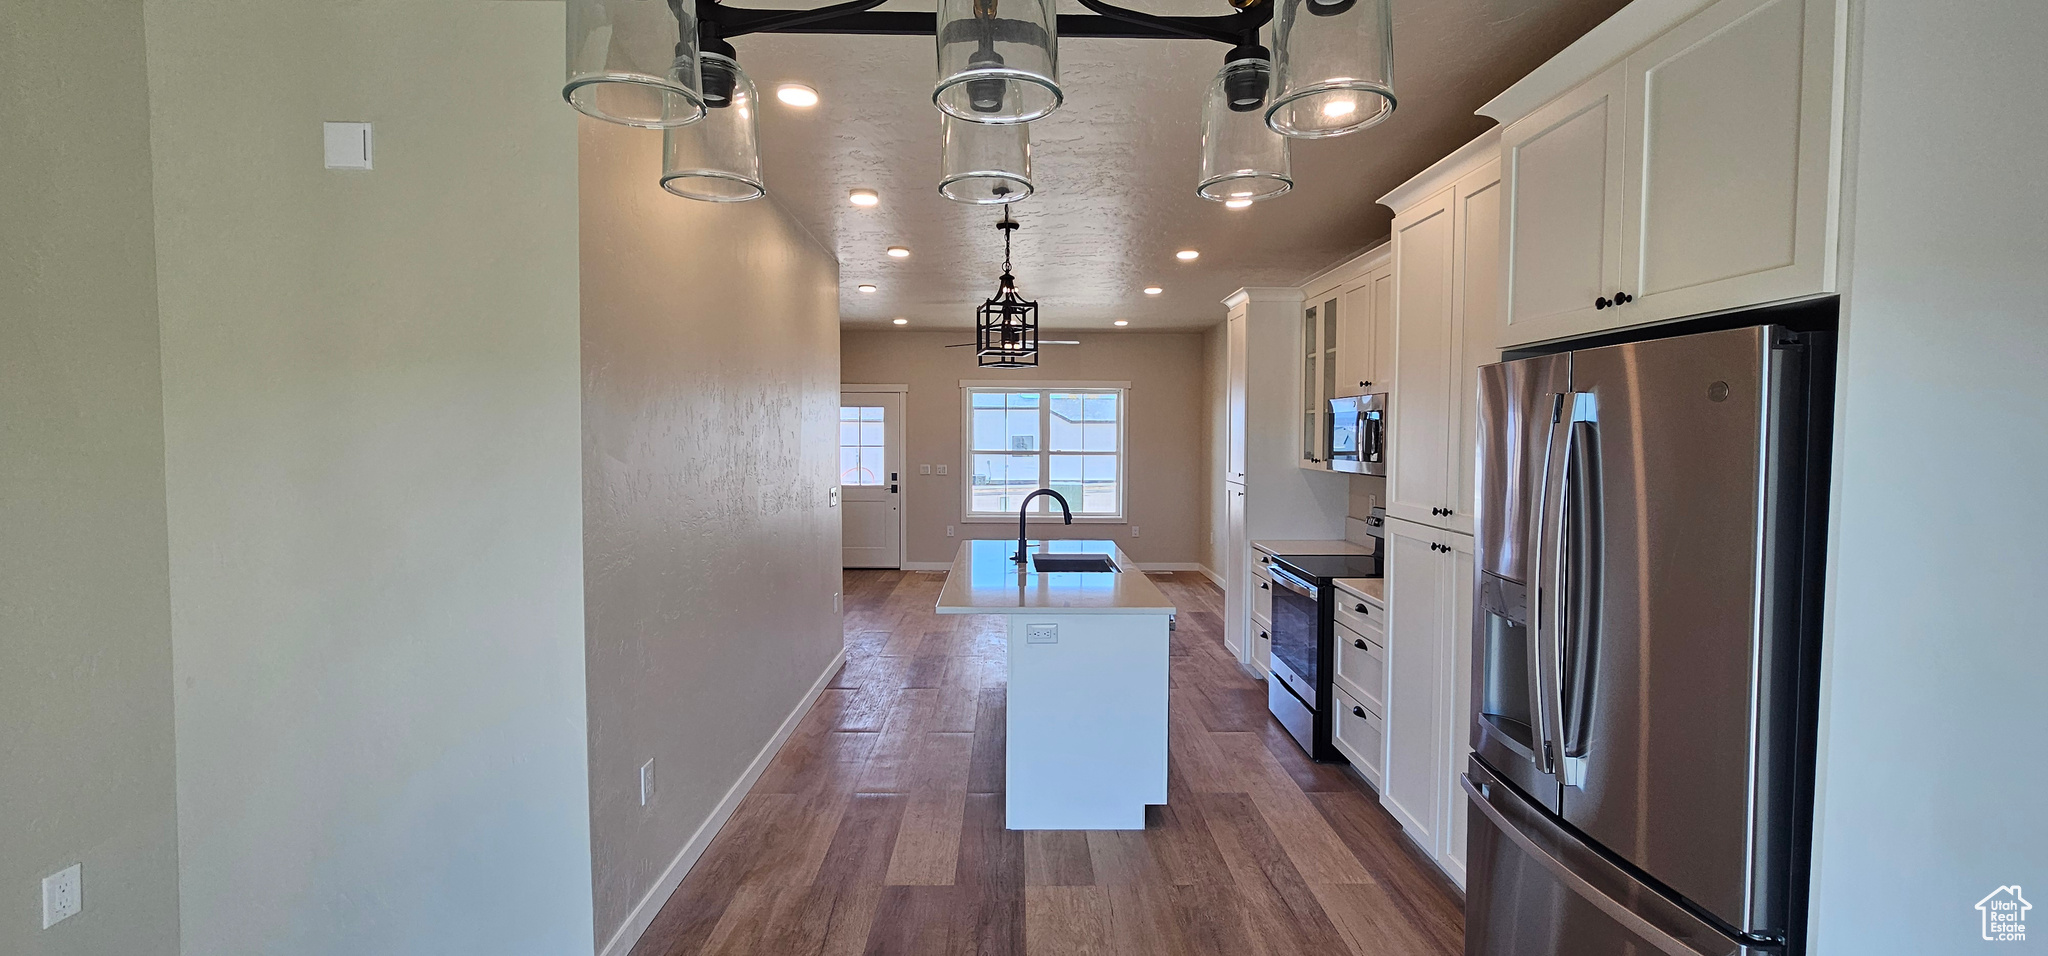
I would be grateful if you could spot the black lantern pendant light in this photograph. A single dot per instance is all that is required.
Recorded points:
(1006, 326)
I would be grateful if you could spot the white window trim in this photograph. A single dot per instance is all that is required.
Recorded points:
(1123, 427)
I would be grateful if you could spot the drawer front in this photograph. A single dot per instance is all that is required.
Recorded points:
(1362, 616)
(1262, 596)
(1359, 733)
(1362, 665)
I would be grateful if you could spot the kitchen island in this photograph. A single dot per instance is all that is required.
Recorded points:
(1088, 660)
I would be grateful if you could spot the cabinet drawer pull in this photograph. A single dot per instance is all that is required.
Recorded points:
(1263, 586)
(1358, 642)
(1357, 711)
(1362, 609)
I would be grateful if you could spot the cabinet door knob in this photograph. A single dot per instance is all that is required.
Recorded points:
(1365, 385)
(1601, 302)
(1357, 711)
(1623, 298)
(1358, 642)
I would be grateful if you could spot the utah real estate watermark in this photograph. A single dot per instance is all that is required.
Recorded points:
(2004, 914)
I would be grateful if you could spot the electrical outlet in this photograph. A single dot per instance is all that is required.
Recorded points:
(1134, 531)
(949, 531)
(63, 894)
(924, 469)
(1372, 501)
(1041, 633)
(835, 602)
(647, 782)
(942, 469)
(832, 497)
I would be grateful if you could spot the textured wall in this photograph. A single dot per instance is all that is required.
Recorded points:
(1164, 434)
(371, 420)
(86, 766)
(1216, 446)
(1931, 772)
(711, 406)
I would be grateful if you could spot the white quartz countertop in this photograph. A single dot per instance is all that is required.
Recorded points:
(1371, 589)
(1311, 547)
(983, 580)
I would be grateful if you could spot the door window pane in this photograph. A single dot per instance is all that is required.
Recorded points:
(862, 455)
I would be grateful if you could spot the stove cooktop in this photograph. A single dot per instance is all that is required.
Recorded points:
(1323, 567)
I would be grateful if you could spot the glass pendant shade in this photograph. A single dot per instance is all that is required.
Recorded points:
(719, 158)
(1241, 158)
(984, 164)
(634, 62)
(1333, 66)
(998, 60)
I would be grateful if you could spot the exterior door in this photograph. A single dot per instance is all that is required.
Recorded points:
(871, 479)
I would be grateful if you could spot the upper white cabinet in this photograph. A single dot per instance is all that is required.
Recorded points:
(1365, 334)
(1446, 307)
(1234, 397)
(1562, 166)
(1694, 175)
(1346, 343)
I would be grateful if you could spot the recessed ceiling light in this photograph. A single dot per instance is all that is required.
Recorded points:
(1121, 322)
(1236, 203)
(1153, 290)
(865, 287)
(899, 252)
(1187, 255)
(863, 197)
(901, 321)
(797, 95)
(1336, 108)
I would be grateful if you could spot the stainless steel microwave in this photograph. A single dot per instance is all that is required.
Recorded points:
(1358, 434)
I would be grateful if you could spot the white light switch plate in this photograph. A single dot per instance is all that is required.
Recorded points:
(924, 469)
(348, 145)
(63, 895)
(647, 782)
(942, 469)
(1041, 633)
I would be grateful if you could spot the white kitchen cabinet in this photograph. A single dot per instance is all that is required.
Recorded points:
(1360, 735)
(1318, 377)
(1429, 598)
(1236, 576)
(1696, 175)
(1446, 316)
(1457, 695)
(1234, 398)
(1365, 307)
(1561, 169)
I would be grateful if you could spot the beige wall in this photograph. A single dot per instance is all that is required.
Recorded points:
(370, 389)
(1165, 433)
(710, 387)
(1216, 445)
(86, 764)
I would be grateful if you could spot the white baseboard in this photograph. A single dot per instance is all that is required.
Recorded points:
(927, 565)
(1213, 577)
(644, 912)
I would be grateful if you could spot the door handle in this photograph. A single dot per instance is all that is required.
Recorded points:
(892, 489)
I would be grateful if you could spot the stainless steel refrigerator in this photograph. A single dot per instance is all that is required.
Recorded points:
(1647, 538)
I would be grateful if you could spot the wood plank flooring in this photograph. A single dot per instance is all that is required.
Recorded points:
(878, 829)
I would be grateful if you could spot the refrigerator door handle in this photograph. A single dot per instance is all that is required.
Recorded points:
(1580, 536)
(1615, 909)
(1547, 577)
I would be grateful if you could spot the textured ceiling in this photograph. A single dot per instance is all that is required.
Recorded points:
(1115, 167)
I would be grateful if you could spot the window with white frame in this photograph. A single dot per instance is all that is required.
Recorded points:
(1069, 439)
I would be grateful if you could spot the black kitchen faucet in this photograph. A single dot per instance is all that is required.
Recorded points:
(1025, 509)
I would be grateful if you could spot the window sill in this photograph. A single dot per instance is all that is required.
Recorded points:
(1053, 518)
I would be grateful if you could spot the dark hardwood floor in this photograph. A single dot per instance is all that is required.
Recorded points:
(878, 829)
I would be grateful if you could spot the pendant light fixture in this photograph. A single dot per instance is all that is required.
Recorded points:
(1334, 64)
(1006, 326)
(1242, 160)
(998, 60)
(634, 62)
(984, 164)
(667, 64)
(717, 159)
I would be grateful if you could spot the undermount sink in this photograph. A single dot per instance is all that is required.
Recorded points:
(1072, 562)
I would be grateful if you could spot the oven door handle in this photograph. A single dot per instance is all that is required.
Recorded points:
(1282, 577)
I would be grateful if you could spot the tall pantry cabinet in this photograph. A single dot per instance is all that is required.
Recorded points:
(1445, 324)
